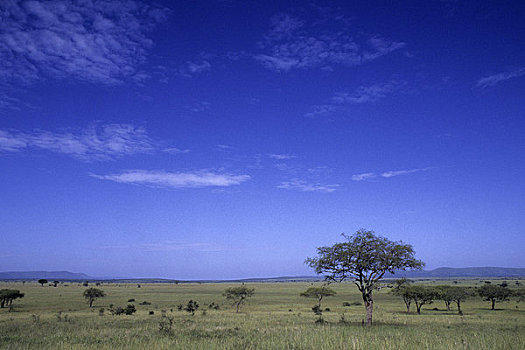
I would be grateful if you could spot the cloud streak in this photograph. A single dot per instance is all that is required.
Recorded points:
(496, 79)
(387, 174)
(165, 179)
(303, 186)
(103, 142)
(94, 41)
(169, 246)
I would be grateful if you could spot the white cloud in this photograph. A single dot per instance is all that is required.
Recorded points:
(364, 176)
(175, 179)
(96, 41)
(292, 43)
(94, 143)
(301, 185)
(499, 78)
(281, 156)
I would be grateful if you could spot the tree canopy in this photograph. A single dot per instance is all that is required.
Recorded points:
(91, 294)
(364, 258)
(238, 295)
(319, 293)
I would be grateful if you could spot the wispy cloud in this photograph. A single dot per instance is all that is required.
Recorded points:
(175, 150)
(175, 179)
(304, 186)
(393, 173)
(168, 246)
(102, 142)
(198, 106)
(387, 174)
(364, 176)
(363, 94)
(280, 156)
(499, 78)
(295, 43)
(95, 41)
(189, 69)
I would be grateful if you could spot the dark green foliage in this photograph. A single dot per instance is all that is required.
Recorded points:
(364, 259)
(145, 303)
(238, 295)
(191, 307)
(55, 283)
(42, 281)
(131, 300)
(494, 293)
(128, 310)
(91, 294)
(8, 295)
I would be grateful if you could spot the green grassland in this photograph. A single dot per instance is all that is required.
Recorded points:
(276, 317)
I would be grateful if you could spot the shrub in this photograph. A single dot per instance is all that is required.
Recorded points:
(131, 300)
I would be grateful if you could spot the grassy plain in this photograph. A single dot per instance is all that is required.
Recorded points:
(276, 317)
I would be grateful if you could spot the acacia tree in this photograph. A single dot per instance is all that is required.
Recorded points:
(402, 289)
(91, 294)
(494, 293)
(422, 295)
(42, 281)
(459, 294)
(319, 293)
(445, 293)
(238, 295)
(364, 259)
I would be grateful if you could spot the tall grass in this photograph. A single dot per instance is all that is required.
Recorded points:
(275, 318)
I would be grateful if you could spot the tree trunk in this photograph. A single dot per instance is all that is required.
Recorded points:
(447, 303)
(459, 307)
(418, 306)
(369, 304)
(91, 302)
(237, 310)
(493, 303)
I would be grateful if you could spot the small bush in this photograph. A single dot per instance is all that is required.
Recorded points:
(152, 312)
(145, 303)
(165, 324)
(131, 300)
(327, 309)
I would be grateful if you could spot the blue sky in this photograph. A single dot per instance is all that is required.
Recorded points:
(228, 139)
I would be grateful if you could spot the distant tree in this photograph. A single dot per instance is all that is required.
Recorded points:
(402, 288)
(55, 283)
(91, 294)
(238, 295)
(8, 295)
(445, 293)
(422, 295)
(459, 294)
(85, 284)
(319, 293)
(191, 307)
(364, 258)
(42, 281)
(494, 294)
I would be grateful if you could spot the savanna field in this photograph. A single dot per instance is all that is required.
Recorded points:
(276, 317)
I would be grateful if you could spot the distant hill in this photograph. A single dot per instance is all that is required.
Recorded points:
(49, 275)
(442, 272)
